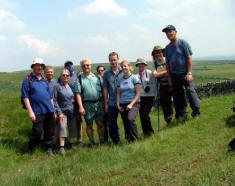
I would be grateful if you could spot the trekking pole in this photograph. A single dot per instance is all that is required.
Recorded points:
(158, 106)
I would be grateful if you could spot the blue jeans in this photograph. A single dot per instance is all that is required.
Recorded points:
(180, 85)
(112, 124)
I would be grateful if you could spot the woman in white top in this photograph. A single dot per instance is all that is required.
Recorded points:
(148, 92)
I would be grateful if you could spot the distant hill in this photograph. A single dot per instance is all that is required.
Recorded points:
(215, 58)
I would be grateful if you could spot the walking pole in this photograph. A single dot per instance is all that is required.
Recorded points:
(158, 106)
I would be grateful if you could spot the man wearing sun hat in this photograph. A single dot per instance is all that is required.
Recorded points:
(38, 101)
(179, 66)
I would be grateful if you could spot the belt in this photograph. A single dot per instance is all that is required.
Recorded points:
(92, 101)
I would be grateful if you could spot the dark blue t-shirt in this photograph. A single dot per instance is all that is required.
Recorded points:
(177, 56)
(39, 95)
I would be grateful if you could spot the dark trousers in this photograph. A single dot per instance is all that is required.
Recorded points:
(105, 123)
(46, 123)
(128, 118)
(112, 124)
(146, 104)
(179, 84)
(166, 102)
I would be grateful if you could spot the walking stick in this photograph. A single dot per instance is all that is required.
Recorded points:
(158, 105)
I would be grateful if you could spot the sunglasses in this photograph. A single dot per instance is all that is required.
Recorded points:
(65, 75)
(100, 70)
(86, 65)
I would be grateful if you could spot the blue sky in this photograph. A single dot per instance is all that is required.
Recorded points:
(72, 30)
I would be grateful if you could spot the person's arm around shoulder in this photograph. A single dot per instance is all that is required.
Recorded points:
(79, 98)
(137, 84)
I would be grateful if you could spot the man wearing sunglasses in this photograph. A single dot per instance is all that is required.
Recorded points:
(89, 93)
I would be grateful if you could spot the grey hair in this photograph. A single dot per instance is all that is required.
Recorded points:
(85, 60)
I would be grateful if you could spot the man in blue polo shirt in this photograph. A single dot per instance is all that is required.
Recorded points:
(179, 67)
(38, 101)
(110, 79)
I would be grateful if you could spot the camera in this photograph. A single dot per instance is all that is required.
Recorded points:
(147, 89)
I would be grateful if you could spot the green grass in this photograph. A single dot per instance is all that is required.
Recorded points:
(190, 153)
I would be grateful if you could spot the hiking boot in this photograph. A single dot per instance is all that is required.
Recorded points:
(196, 116)
(62, 151)
(50, 152)
(28, 152)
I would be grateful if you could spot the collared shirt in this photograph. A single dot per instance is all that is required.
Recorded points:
(38, 93)
(110, 82)
(177, 56)
(64, 100)
(127, 88)
(91, 87)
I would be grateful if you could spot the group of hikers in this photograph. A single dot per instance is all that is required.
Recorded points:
(53, 105)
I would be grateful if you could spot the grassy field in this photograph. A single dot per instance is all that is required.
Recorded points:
(190, 153)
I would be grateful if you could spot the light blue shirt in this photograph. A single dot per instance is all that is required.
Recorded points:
(110, 82)
(127, 88)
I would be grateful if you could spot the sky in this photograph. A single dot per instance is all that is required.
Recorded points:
(60, 30)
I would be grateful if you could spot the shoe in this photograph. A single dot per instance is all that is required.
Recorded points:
(28, 152)
(50, 152)
(62, 151)
(196, 116)
(231, 145)
(72, 146)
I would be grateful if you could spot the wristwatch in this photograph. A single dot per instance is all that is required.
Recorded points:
(189, 73)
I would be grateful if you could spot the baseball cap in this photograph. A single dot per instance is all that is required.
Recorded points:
(168, 27)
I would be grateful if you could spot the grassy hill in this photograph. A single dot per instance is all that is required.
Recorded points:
(190, 153)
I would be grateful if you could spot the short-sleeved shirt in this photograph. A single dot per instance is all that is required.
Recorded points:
(91, 87)
(127, 88)
(64, 100)
(147, 79)
(110, 82)
(38, 93)
(177, 56)
(52, 84)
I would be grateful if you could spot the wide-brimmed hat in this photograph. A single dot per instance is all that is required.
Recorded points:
(38, 61)
(158, 47)
(140, 61)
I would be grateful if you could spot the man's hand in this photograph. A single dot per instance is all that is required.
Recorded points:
(120, 108)
(32, 116)
(189, 78)
(106, 107)
(82, 111)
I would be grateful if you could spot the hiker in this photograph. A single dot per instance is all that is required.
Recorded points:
(72, 82)
(165, 92)
(39, 104)
(111, 76)
(128, 94)
(89, 98)
(100, 69)
(64, 101)
(49, 77)
(148, 93)
(179, 67)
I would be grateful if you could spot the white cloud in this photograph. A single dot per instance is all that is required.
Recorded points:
(37, 45)
(139, 27)
(2, 38)
(8, 4)
(99, 39)
(99, 7)
(9, 21)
